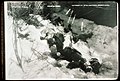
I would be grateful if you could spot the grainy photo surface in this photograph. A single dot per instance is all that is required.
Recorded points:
(61, 40)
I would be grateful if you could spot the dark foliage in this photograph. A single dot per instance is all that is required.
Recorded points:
(82, 37)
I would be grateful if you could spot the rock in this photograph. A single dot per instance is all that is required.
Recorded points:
(107, 65)
(106, 68)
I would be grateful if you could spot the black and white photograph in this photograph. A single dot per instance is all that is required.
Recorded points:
(61, 40)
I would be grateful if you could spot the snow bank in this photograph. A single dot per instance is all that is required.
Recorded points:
(102, 45)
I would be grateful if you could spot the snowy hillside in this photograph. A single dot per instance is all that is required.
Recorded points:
(35, 53)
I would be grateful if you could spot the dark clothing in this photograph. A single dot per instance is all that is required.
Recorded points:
(59, 39)
(72, 65)
(80, 65)
(50, 42)
(71, 54)
(95, 65)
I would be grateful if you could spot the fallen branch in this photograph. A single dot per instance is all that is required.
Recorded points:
(34, 50)
(15, 45)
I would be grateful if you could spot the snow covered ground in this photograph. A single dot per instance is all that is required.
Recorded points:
(36, 62)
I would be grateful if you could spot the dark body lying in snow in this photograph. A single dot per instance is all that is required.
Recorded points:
(72, 55)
